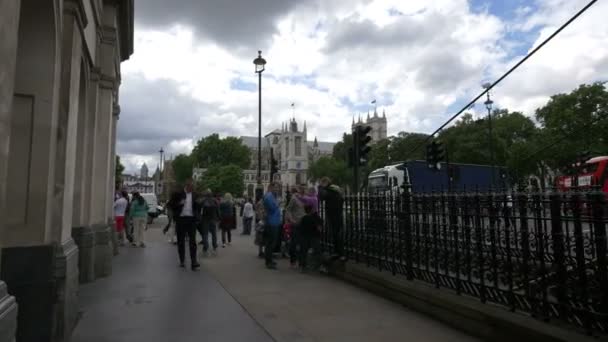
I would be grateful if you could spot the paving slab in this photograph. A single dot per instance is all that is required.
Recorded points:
(149, 298)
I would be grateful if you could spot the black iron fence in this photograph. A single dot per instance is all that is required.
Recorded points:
(540, 254)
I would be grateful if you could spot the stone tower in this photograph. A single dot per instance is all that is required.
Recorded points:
(379, 125)
(143, 172)
(293, 147)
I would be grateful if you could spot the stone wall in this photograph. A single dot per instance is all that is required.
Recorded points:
(59, 84)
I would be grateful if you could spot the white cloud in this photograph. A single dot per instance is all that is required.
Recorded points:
(331, 58)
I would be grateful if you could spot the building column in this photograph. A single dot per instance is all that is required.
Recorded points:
(82, 233)
(100, 176)
(111, 187)
(9, 29)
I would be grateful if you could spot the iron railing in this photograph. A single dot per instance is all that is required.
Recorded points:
(540, 254)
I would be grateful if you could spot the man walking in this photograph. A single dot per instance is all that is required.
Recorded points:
(186, 214)
(209, 221)
(273, 223)
(247, 213)
(332, 196)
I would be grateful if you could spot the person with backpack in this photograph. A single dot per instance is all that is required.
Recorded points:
(331, 196)
(209, 218)
(227, 219)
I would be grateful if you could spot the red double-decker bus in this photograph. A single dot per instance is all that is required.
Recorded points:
(593, 174)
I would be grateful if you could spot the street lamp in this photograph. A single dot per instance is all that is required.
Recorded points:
(260, 64)
(160, 167)
(488, 104)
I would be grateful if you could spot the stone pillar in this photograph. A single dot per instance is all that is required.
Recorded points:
(66, 251)
(9, 28)
(82, 233)
(99, 180)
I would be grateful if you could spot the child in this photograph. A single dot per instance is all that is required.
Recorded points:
(310, 228)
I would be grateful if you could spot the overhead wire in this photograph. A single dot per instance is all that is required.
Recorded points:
(501, 78)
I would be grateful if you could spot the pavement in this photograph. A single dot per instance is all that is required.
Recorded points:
(233, 297)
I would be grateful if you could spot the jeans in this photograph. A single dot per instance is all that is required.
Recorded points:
(271, 237)
(186, 226)
(209, 227)
(226, 232)
(307, 242)
(247, 221)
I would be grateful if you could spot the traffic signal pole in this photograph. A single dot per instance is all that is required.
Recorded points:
(355, 160)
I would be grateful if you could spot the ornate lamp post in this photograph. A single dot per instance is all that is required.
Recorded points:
(488, 104)
(260, 64)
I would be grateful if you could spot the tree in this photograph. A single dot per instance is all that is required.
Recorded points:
(223, 179)
(400, 147)
(118, 171)
(340, 150)
(574, 123)
(182, 168)
(212, 150)
(335, 169)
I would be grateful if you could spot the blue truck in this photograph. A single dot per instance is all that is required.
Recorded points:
(421, 178)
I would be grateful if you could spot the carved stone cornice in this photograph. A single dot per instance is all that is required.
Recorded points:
(109, 35)
(95, 74)
(76, 8)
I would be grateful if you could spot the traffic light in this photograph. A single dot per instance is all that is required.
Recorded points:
(434, 155)
(362, 140)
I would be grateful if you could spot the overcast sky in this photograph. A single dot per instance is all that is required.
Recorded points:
(192, 74)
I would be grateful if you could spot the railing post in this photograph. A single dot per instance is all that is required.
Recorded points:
(480, 240)
(559, 256)
(525, 248)
(598, 206)
(407, 225)
(453, 219)
(579, 250)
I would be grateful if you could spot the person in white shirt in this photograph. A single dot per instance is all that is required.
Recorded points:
(186, 212)
(248, 214)
(120, 209)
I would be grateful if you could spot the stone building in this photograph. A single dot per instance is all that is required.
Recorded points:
(291, 149)
(59, 84)
(379, 126)
(144, 172)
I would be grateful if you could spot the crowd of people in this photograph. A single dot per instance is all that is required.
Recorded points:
(290, 226)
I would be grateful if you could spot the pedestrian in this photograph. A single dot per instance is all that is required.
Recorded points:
(272, 224)
(247, 217)
(169, 228)
(260, 216)
(310, 237)
(331, 196)
(139, 216)
(227, 219)
(294, 211)
(120, 209)
(209, 219)
(186, 210)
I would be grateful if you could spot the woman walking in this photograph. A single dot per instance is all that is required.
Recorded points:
(139, 214)
(120, 208)
(227, 218)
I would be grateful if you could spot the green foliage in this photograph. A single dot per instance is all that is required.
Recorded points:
(578, 120)
(182, 168)
(401, 145)
(335, 169)
(222, 179)
(212, 150)
(340, 150)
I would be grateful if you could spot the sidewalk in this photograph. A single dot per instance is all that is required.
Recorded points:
(148, 298)
(296, 307)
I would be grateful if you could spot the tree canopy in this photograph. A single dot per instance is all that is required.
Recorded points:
(222, 179)
(182, 168)
(211, 150)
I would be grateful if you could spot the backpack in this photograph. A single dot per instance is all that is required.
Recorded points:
(210, 208)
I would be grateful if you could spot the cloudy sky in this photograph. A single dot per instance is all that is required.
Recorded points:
(192, 73)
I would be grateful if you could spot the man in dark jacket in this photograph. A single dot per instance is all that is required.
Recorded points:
(331, 196)
(186, 212)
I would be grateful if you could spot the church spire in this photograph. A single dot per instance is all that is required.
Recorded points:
(375, 113)
(383, 114)
(368, 115)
